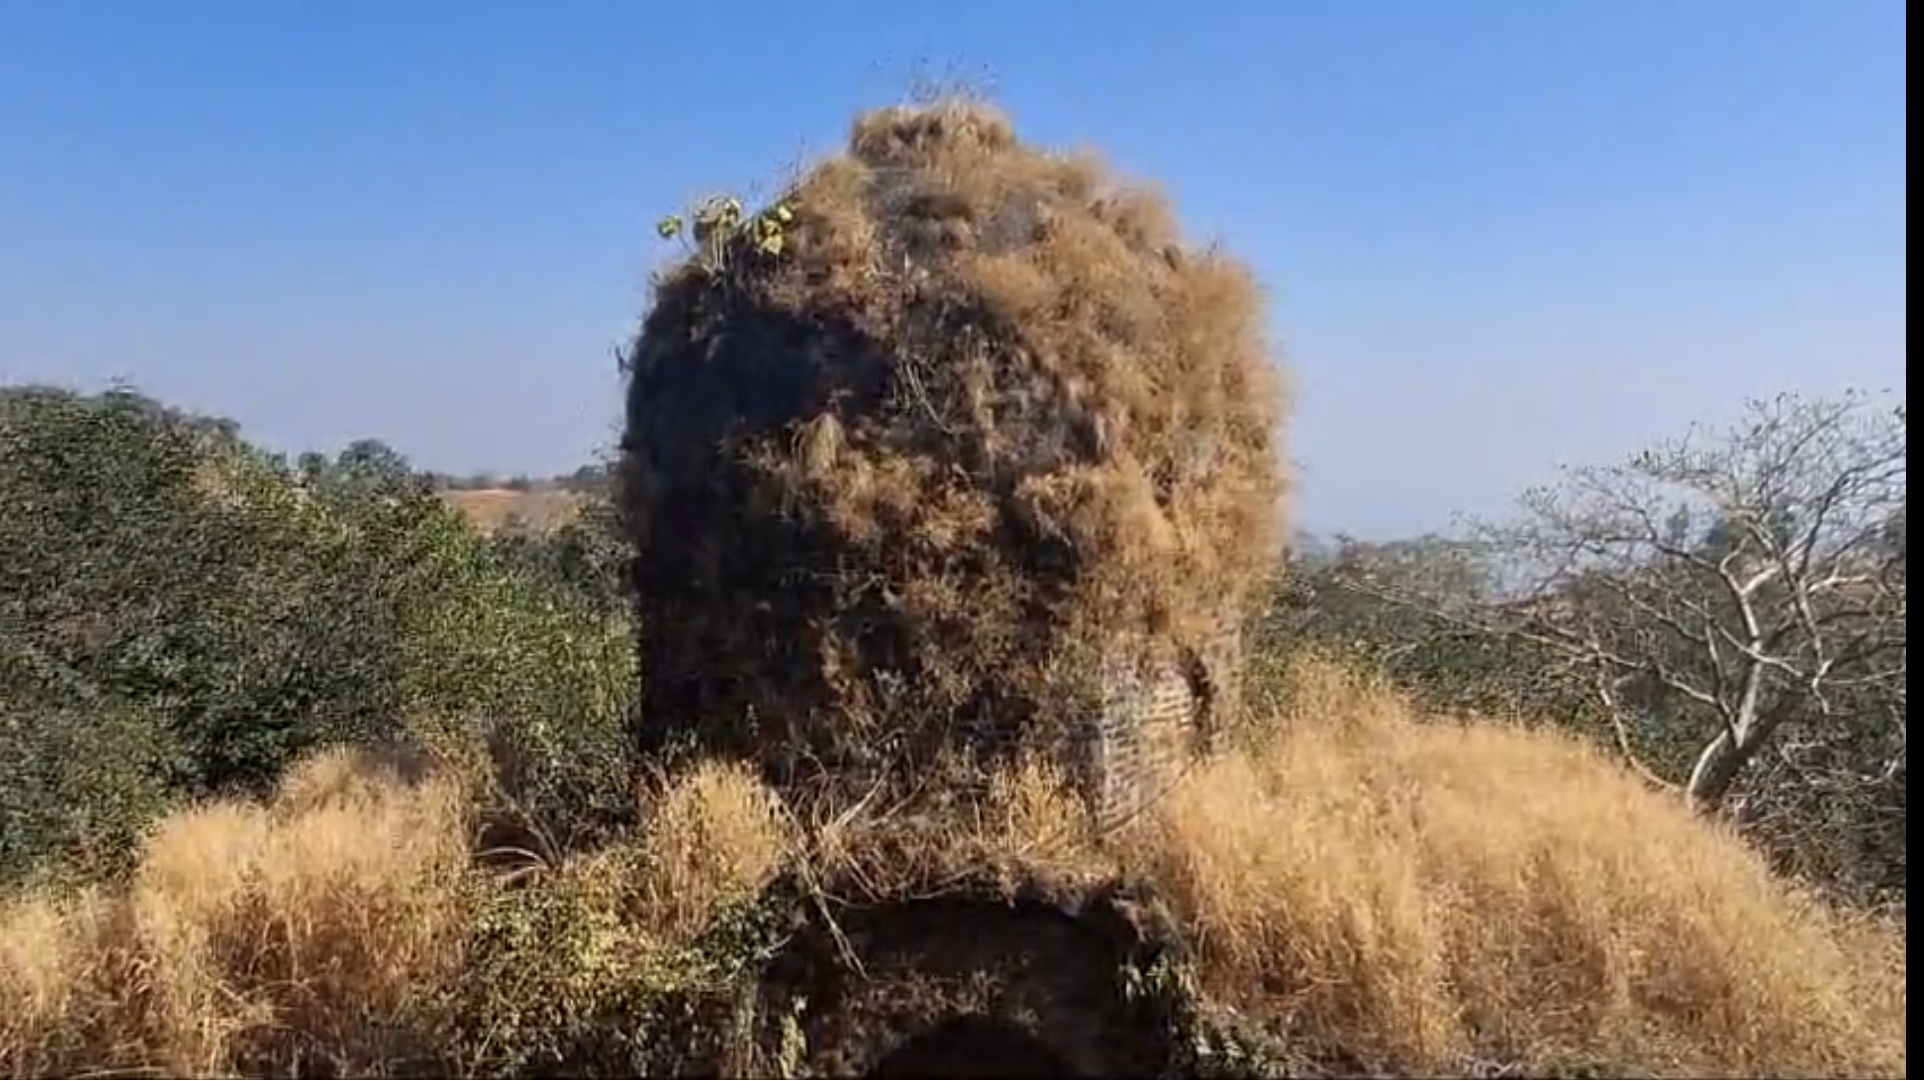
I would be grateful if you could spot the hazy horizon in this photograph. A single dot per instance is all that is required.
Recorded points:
(1499, 235)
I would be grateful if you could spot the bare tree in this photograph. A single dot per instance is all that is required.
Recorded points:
(1750, 580)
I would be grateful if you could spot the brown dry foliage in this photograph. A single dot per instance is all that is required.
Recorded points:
(983, 423)
(331, 930)
(320, 932)
(1391, 895)
(1421, 897)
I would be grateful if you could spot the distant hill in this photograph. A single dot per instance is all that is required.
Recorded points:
(492, 508)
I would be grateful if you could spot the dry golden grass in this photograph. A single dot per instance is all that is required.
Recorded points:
(716, 839)
(261, 939)
(1028, 826)
(1421, 897)
(329, 929)
(1411, 898)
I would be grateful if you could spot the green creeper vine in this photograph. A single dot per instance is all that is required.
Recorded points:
(719, 221)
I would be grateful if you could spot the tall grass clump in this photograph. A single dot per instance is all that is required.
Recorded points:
(321, 931)
(1419, 896)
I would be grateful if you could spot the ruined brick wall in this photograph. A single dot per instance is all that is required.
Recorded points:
(1151, 729)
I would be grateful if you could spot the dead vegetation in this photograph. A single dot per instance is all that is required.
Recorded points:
(913, 454)
(315, 932)
(1380, 893)
(1418, 896)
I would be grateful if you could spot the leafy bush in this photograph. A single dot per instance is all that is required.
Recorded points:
(183, 615)
(587, 555)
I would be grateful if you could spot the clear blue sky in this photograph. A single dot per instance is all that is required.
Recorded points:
(1500, 234)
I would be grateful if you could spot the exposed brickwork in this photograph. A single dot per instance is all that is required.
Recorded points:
(1151, 729)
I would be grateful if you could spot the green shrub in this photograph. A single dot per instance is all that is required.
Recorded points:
(80, 776)
(183, 615)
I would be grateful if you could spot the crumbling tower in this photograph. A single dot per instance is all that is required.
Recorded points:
(954, 453)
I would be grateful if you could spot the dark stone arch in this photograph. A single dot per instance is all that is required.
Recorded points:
(1031, 986)
(972, 1048)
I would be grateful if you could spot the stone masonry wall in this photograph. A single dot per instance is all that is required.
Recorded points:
(1151, 730)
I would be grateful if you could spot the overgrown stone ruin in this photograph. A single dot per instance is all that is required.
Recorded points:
(954, 454)
(953, 457)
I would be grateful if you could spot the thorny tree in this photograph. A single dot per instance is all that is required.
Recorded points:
(1749, 583)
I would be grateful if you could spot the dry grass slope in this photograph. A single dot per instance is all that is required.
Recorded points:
(1420, 899)
(1433, 896)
